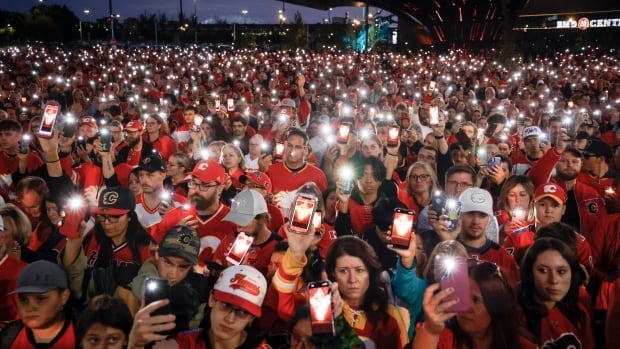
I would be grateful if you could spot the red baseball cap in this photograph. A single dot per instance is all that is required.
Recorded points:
(550, 190)
(208, 171)
(88, 121)
(258, 178)
(134, 126)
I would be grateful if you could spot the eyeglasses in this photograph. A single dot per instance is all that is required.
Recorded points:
(201, 186)
(101, 218)
(228, 308)
(419, 178)
(460, 184)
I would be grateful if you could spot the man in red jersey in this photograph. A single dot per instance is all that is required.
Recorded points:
(181, 135)
(294, 171)
(260, 182)
(206, 212)
(137, 147)
(532, 151)
(10, 161)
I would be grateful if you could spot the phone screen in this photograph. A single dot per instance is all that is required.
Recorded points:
(393, 136)
(320, 304)
(278, 151)
(197, 121)
(402, 227)
(317, 220)
(451, 271)
(438, 202)
(301, 217)
(218, 104)
(231, 104)
(434, 115)
(343, 133)
(239, 248)
(432, 85)
(50, 114)
(156, 289)
(453, 211)
(106, 140)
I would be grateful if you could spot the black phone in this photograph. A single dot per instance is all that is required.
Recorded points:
(156, 289)
(24, 143)
(106, 140)
(81, 142)
(438, 201)
(320, 305)
(402, 228)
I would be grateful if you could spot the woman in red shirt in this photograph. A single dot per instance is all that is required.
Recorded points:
(234, 163)
(158, 134)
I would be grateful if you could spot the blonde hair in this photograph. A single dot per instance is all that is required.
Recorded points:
(428, 169)
(447, 247)
(17, 219)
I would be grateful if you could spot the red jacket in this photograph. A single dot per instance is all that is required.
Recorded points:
(590, 204)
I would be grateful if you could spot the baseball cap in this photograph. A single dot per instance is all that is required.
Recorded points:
(152, 163)
(180, 241)
(41, 276)
(287, 102)
(531, 131)
(88, 121)
(115, 201)
(245, 206)
(134, 126)
(208, 171)
(476, 200)
(550, 190)
(258, 178)
(582, 135)
(242, 286)
(597, 147)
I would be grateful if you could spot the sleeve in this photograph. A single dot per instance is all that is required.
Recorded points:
(541, 171)
(343, 225)
(444, 162)
(410, 288)
(75, 273)
(148, 269)
(285, 282)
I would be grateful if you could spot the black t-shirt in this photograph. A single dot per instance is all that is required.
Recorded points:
(571, 216)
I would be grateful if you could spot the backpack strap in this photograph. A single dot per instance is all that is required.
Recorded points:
(9, 333)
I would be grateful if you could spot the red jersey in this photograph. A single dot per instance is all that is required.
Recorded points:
(165, 146)
(557, 331)
(181, 137)
(276, 218)
(446, 341)
(149, 216)
(360, 216)
(65, 339)
(193, 340)
(10, 164)
(410, 203)
(389, 333)
(9, 270)
(285, 179)
(258, 255)
(518, 243)
(211, 230)
(492, 252)
(120, 254)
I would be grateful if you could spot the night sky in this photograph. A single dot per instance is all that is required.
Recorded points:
(259, 11)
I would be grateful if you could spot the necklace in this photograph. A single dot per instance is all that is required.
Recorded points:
(356, 315)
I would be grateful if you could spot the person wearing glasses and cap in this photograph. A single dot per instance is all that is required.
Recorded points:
(235, 304)
(106, 258)
(532, 151)
(205, 213)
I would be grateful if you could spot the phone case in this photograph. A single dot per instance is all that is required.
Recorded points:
(452, 271)
(453, 214)
(278, 151)
(393, 136)
(402, 228)
(239, 249)
(301, 217)
(344, 130)
(320, 304)
(48, 120)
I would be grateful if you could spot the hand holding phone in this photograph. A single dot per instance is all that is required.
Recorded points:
(106, 140)
(393, 136)
(452, 272)
(433, 112)
(48, 119)
(156, 289)
(24, 143)
(321, 312)
(344, 130)
(278, 151)
(74, 212)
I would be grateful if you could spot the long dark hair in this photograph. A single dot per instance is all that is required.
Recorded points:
(136, 237)
(500, 301)
(533, 307)
(375, 300)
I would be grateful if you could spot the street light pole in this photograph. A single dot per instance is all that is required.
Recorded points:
(111, 18)
(195, 25)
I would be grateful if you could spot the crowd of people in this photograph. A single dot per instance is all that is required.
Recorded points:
(188, 198)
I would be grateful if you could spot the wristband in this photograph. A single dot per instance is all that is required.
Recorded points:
(392, 154)
(438, 137)
(51, 162)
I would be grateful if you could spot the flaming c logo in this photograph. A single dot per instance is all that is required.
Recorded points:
(110, 198)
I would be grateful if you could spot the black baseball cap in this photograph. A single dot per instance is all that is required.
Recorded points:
(152, 162)
(115, 201)
(41, 276)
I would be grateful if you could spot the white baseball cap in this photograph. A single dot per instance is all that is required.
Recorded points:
(477, 200)
(242, 286)
(531, 131)
(245, 206)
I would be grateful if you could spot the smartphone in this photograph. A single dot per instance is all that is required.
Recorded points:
(218, 104)
(166, 197)
(434, 115)
(453, 211)
(301, 217)
(402, 227)
(320, 305)
(438, 202)
(393, 136)
(156, 289)
(197, 121)
(317, 220)
(278, 151)
(432, 85)
(518, 214)
(81, 142)
(106, 140)
(48, 120)
(24, 100)
(24, 143)
(571, 104)
(239, 248)
(451, 271)
(495, 161)
(344, 130)
(265, 148)
(231, 104)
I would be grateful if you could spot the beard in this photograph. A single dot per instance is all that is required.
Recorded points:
(567, 175)
(133, 142)
(201, 202)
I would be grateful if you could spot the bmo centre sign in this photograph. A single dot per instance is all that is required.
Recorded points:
(584, 23)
